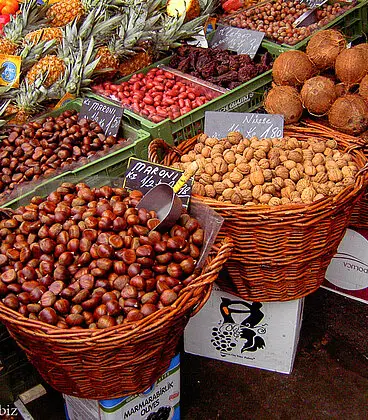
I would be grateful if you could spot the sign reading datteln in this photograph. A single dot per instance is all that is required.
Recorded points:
(108, 116)
(219, 124)
(143, 176)
(242, 41)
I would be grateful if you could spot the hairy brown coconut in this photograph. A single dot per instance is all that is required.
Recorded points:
(362, 47)
(284, 100)
(292, 68)
(318, 94)
(324, 47)
(349, 114)
(351, 66)
(363, 88)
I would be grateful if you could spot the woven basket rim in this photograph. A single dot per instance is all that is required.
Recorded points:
(351, 144)
(188, 298)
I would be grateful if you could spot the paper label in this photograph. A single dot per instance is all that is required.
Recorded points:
(10, 70)
(68, 97)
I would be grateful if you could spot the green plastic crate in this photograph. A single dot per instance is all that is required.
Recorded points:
(245, 98)
(353, 23)
(111, 165)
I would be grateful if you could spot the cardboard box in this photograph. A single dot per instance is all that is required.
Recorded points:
(262, 335)
(159, 402)
(347, 273)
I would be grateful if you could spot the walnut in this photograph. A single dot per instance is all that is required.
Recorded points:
(231, 167)
(318, 147)
(177, 165)
(286, 192)
(322, 189)
(216, 178)
(347, 157)
(347, 171)
(269, 188)
(334, 175)
(265, 198)
(336, 190)
(240, 148)
(192, 155)
(211, 141)
(321, 168)
(220, 166)
(257, 191)
(331, 184)
(308, 194)
(279, 183)
(274, 162)
(341, 163)
(256, 178)
(328, 152)
(219, 187)
(202, 138)
(244, 168)
(302, 184)
(210, 191)
(245, 184)
(332, 144)
(274, 201)
(295, 197)
(331, 164)
(234, 137)
(205, 179)
(246, 142)
(217, 149)
(308, 154)
(265, 145)
(210, 169)
(198, 189)
(292, 143)
(229, 156)
(300, 167)
(348, 181)
(282, 172)
(310, 170)
(228, 183)
(264, 163)
(267, 174)
(285, 200)
(237, 197)
(320, 178)
(290, 183)
(198, 147)
(283, 158)
(227, 193)
(294, 175)
(318, 159)
(296, 156)
(220, 198)
(246, 195)
(274, 152)
(206, 152)
(236, 177)
(248, 153)
(185, 159)
(289, 164)
(227, 144)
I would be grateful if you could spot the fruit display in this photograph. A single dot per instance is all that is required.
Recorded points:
(157, 95)
(277, 19)
(39, 148)
(88, 258)
(329, 80)
(221, 67)
(269, 172)
(64, 46)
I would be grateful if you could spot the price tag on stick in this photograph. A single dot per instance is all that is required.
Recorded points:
(242, 41)
(143, 176)
(219, 124)
(108, 116)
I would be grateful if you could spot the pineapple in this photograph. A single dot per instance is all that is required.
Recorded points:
(31, 15)
(176, 8)
(51, 65)
(31, 53)
(44, 34)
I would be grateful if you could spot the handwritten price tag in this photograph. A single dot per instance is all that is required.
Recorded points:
(108, 116)
(219, 124)
(239, 40)
(143, 176)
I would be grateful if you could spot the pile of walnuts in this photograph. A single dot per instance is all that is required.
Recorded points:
(268, 171)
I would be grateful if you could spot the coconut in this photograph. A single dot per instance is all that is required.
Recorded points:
(318, 94)
(324, 47)
(351, 66)
(362, 47)
(349, 114)
(363, 88)
(284, 100)
(292, 68)
(341, 89)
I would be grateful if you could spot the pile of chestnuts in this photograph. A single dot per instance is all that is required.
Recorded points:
(88, 258)
(41, 147)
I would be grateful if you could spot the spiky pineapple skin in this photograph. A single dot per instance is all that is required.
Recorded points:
(55, 67)
(64, 12)
(135, 63)
(107, 59)
(44, 34)
(7, 46)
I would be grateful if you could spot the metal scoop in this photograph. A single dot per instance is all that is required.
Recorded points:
(164, 201)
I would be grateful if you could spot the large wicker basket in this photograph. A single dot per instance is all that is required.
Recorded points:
(121, 360)
(281, 253)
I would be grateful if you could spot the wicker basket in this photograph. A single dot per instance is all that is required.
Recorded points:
(281, 253)
(121, 360)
